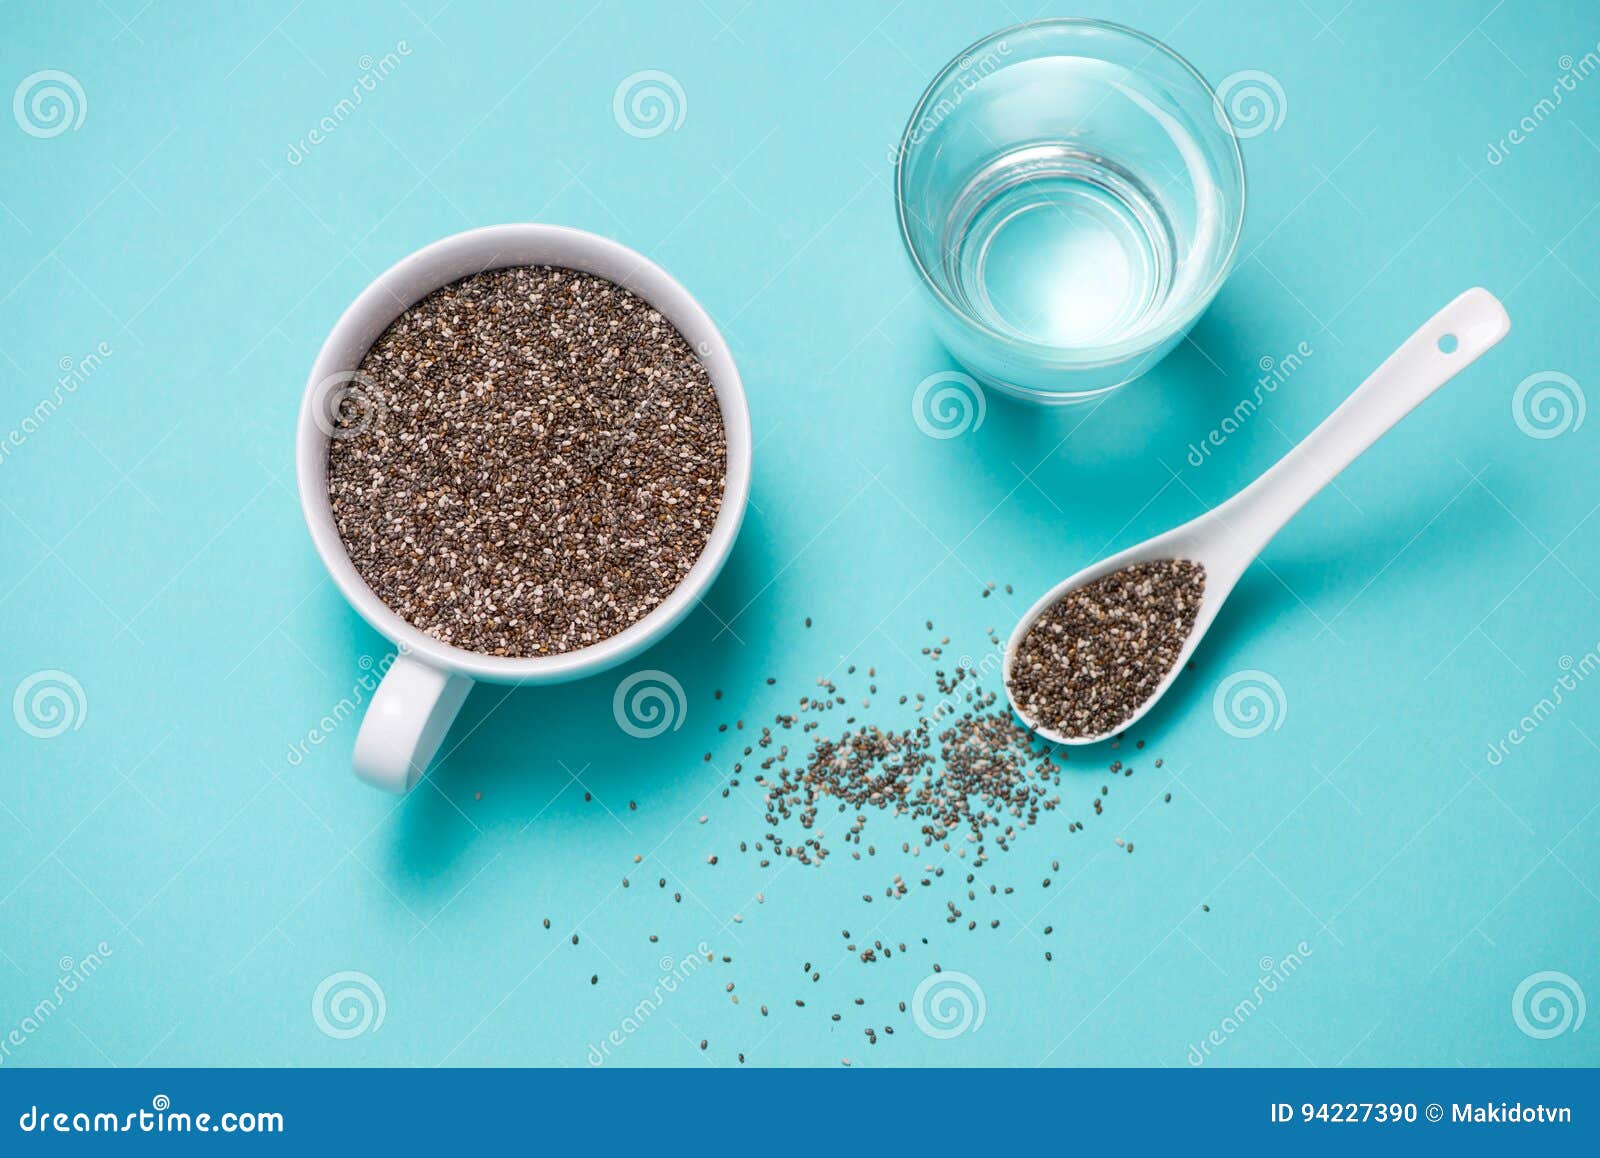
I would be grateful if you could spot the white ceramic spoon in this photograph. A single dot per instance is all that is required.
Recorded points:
(1227, 538)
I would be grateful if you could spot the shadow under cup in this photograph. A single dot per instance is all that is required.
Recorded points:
(1071, 193)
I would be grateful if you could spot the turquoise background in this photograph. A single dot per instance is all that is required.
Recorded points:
(153, 549)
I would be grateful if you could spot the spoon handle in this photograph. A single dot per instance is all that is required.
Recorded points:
(1447, 343)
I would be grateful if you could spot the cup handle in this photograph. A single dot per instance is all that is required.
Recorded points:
(406, 722)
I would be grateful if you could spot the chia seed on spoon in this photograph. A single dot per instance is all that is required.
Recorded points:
(1100, 651)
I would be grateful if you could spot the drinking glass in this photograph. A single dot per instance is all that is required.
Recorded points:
(1071, 193)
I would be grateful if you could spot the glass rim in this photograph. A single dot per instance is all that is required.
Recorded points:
(1097, 355)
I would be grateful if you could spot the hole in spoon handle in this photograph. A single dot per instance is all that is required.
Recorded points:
(1473, 322)
(1468, 326)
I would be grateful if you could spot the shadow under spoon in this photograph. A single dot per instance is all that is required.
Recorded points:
(1227, 539)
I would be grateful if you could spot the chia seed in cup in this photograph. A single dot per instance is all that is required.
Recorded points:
(527, 462)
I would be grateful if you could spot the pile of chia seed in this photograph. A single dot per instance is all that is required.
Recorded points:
(950, 775)
(964, 769)
(527, 462)
(1095, 656)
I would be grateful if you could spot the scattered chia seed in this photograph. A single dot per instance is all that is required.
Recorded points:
(1094, 657)
(531, 459)
(951, 763)
(958, 769)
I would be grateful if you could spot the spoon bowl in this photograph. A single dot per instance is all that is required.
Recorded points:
(1227, 539)
(1192, 542)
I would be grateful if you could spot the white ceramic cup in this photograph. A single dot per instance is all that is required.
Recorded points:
(428, 681)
